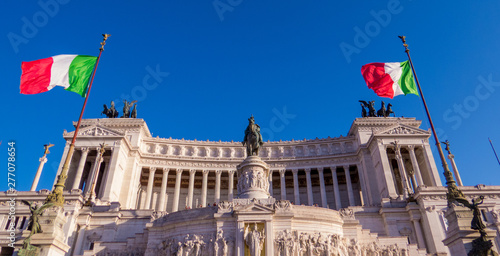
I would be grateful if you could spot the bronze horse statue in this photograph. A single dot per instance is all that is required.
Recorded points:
(253, 138)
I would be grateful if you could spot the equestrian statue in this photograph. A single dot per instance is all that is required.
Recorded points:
(253, 138)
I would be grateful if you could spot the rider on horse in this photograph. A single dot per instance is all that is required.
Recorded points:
(253, 138)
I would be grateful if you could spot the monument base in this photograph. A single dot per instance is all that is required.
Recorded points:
(253, 179)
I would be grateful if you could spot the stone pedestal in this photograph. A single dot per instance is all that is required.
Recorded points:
(52, 242)
(459, 235)
(253, 178)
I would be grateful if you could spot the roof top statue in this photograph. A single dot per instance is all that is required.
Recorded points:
(253, 138)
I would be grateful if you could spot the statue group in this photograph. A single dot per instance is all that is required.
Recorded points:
(370, 105)
(111, 112)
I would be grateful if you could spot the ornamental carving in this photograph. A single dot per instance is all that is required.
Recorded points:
(283, 206)
(253, 178)
(215, 244)
(347, 213)
(157, 214)
(225, 207)
(291, 242)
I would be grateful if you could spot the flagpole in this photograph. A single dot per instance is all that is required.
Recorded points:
(56, 196)
(494, 151)
(454, 193)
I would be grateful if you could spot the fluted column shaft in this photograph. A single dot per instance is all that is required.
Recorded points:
(149, 190)
(204, 188)
(336, 190)
(178, 176)
(218, 174)
(282, 184)
(402, 172)
(296, 191)
(455, 169)
(163, 192)
(350, 194)
(81, 166)
(322, 187)
(43, 160)
(271, 183)
(415, 166)
(191, 188)
(309, 187)
(230, 187)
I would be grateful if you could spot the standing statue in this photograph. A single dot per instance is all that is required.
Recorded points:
(389, 111)
(253, 138)
(126, 108)
(363, 111)
(381, 111)
(370, 106)
(447, 148)
(254, 240)
(134, 112)
(477, 223)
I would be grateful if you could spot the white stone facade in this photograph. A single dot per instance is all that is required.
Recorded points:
(376, 191)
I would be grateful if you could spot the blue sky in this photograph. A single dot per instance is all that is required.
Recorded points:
(294, 65)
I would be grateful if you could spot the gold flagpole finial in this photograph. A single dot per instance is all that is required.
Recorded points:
(103, 43)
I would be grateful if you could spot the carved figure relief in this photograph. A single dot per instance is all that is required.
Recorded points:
(293, 243)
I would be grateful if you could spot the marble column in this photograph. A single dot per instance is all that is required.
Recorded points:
(296, 192)
(386, 170)
(90, 177)
(192, 172)
(163, 191)
(269, 248)
(414, 164)
(402, 171)
(350, 194)
(309, 187)
(149, 191)
(431, 165)
(218, 174)
(271, 183)
(282, 184)
(178, 176)
(230, 186)
(81, 166)
(455, 170)
(364, 186)
(43, 160)
(336, 191)
(204, 188)
(239, 247)
(322, 187)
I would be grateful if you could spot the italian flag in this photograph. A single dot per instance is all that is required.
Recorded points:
(69, 71)
(389, 79)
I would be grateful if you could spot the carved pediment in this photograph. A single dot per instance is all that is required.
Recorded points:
(255, 208)
(402, 130)
(96, 130)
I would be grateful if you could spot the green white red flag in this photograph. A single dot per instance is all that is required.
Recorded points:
(69, 71)
(389, 79)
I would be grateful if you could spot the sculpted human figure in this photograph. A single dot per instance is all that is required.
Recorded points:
(134, 112)
(34, 222)
(253, 138)
(126, 108)
(254, 240)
